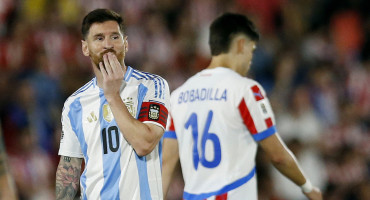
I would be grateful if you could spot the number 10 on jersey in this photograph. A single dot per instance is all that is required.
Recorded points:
(206, 136)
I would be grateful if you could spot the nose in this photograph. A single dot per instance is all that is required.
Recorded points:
(108, 44)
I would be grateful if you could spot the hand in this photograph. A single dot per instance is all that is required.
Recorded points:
(112, 73)
(315, 194)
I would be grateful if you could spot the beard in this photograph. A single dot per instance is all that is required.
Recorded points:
(98, 58)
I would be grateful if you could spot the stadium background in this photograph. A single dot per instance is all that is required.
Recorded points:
(313, 60)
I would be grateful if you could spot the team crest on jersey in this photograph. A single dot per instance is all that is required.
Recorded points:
(107, 113)
(154, 112)
(130, 106)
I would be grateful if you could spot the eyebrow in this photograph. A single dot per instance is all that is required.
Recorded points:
(101, 34)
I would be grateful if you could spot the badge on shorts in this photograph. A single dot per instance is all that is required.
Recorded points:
(154, 112)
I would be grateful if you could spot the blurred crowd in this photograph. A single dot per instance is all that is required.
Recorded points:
(313, 60)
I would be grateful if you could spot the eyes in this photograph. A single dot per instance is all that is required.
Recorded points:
(101, 37)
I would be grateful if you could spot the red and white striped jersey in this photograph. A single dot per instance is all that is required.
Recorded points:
(217, 116)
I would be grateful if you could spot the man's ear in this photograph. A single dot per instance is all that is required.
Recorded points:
(85, 48)
(240, 45)
(126, 44)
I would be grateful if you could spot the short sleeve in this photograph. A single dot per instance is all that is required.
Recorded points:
(155, 106)
(69, 144)
(170, 130)
(256, 112)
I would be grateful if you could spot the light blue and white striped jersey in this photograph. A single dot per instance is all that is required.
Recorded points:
(112, 168)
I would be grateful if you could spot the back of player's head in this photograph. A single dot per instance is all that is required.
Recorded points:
(225, 27)
(100, 16)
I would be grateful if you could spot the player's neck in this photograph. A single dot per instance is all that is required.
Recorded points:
(222, 60)
(98, 75)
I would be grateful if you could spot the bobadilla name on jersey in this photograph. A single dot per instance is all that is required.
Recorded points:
(203, 94)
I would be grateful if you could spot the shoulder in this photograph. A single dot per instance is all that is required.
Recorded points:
(146, 76)
(79, 93)
(238, 80)
(84, 88)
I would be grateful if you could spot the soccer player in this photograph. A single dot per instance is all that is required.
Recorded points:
(115, 122)
(217, 119)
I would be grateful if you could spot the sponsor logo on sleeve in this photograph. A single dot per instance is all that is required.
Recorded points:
(257, 93)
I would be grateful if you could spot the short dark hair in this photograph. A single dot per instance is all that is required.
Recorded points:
(100, 16)
(225, 27)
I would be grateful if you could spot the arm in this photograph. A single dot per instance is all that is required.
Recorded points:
(143, 137)
(7, 187)
(67, 177)
(170, 161)
(284, 161)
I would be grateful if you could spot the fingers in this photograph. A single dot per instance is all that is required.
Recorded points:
(107, 64)
(115, 64)
(102, 70)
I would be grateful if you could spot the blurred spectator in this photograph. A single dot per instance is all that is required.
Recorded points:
(313, 60)
(32, 169)
(302, 130)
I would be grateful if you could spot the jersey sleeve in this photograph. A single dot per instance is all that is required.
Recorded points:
(155, 106)
(256, 112)
(170, 130)
(69, 144)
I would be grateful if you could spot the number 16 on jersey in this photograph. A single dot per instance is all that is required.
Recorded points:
(206, 136)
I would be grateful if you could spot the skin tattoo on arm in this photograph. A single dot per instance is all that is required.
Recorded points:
(67, 177)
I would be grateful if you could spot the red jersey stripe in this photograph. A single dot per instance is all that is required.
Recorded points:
(268, 122)
(172, 126)
(221, 197)
(246, 116)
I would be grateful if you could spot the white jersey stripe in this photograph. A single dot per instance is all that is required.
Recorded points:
(111, 164)
(76, 123)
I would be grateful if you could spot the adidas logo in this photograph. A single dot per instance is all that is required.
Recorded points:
(92, 117)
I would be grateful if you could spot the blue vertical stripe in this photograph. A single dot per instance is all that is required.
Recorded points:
(164, 88)
(111, 160)
(160, 87)
(141, 160)
(156, 88)
(160, 144)
(75, 117)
